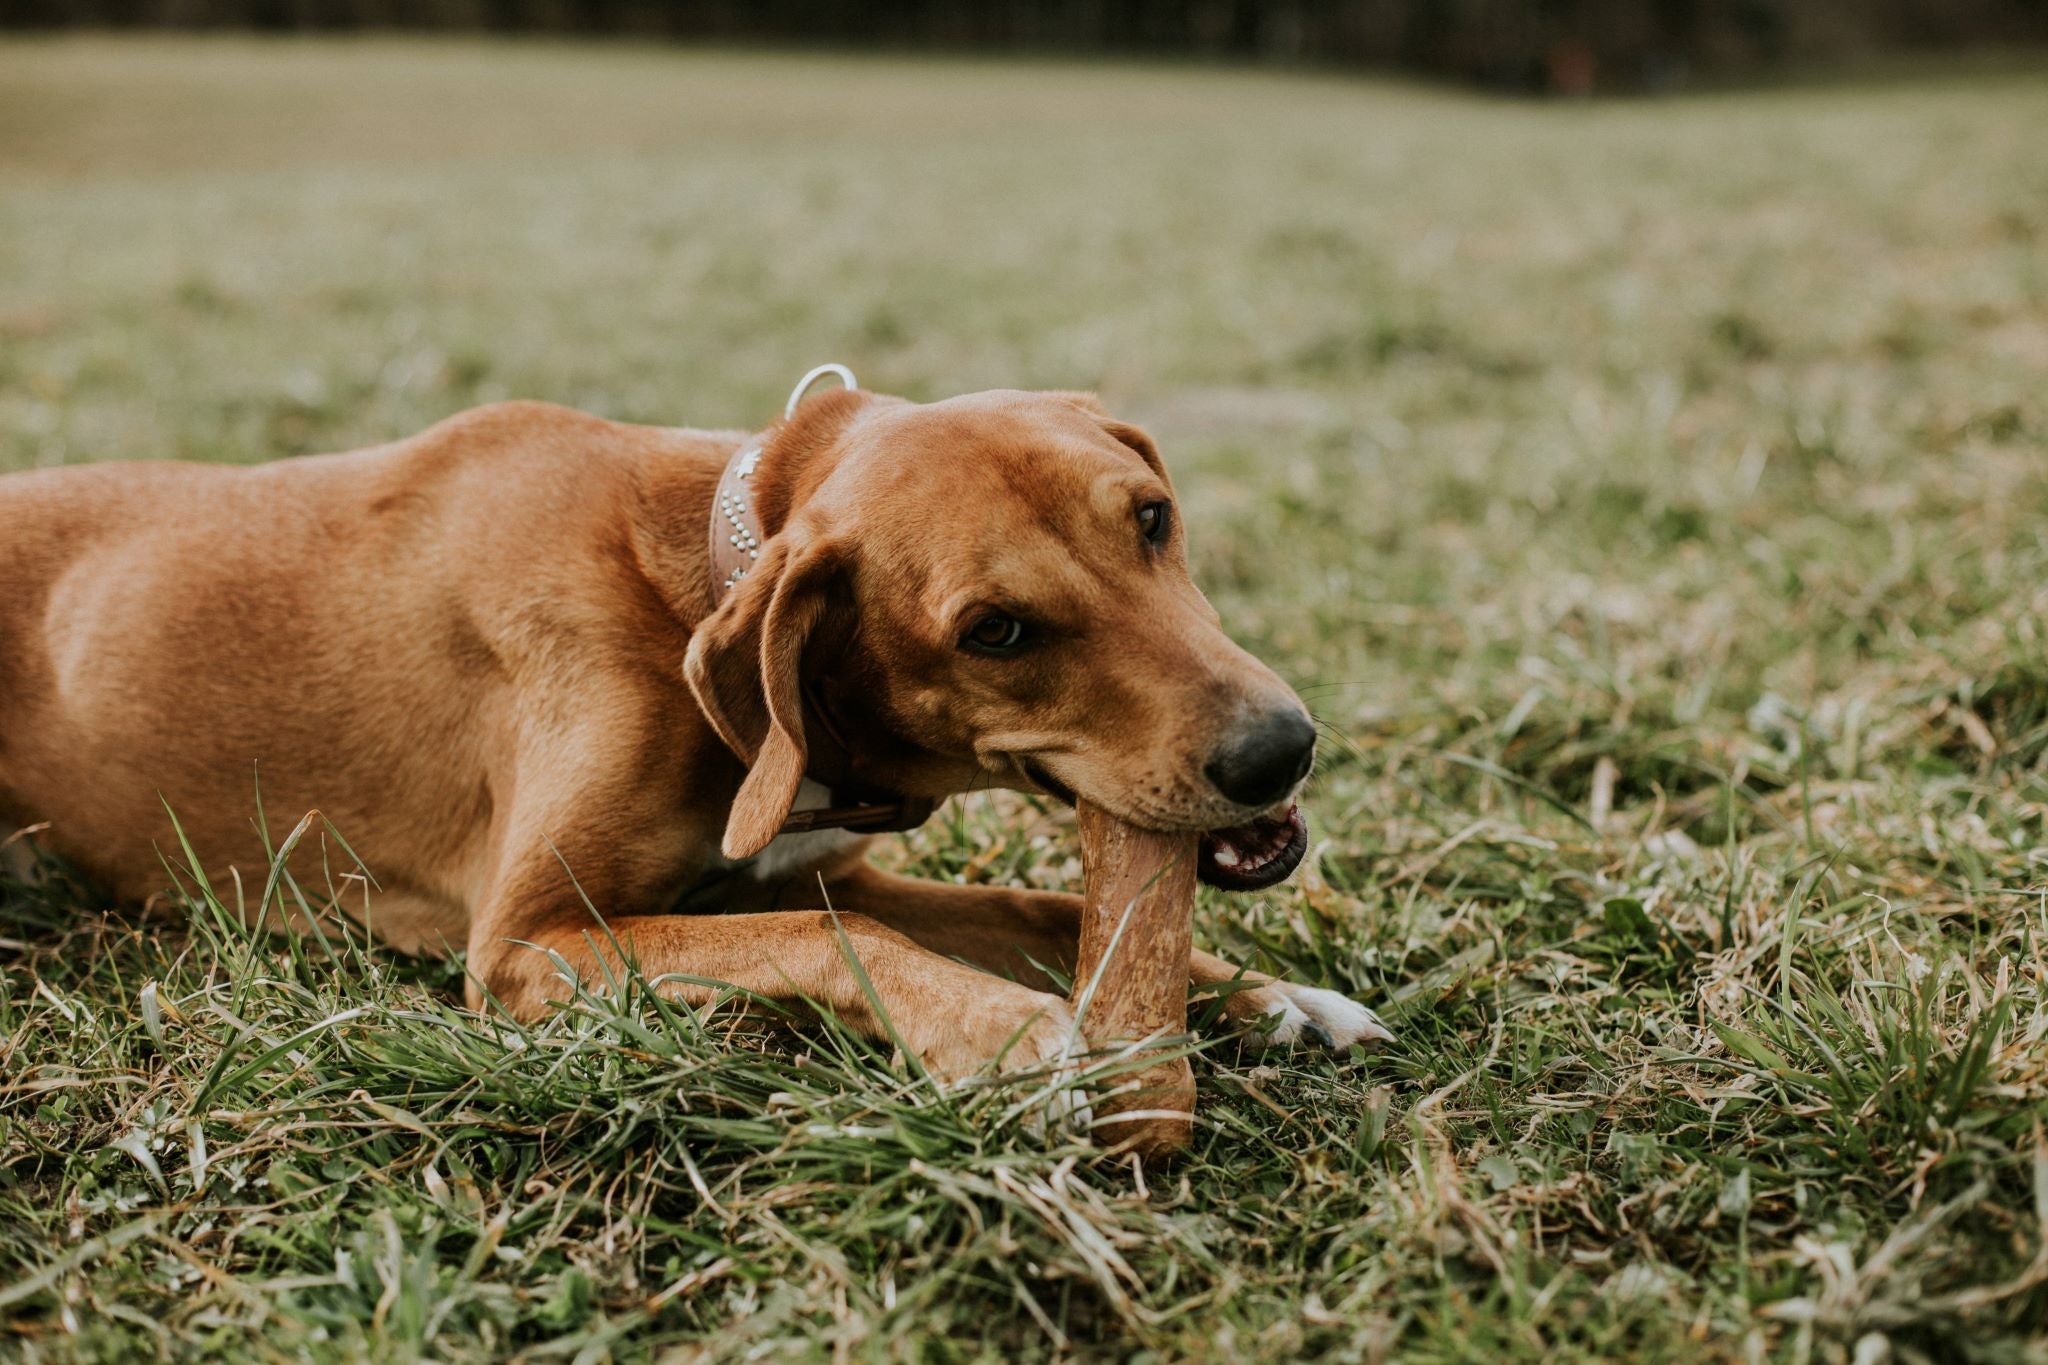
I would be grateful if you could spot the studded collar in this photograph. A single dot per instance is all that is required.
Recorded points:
(735, 525)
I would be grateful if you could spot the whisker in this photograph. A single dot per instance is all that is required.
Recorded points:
(1307, 688)
(1328, 728)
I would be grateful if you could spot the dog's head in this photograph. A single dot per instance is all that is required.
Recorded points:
(994, 591)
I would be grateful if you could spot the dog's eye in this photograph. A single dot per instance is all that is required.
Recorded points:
(995, 635)
(1155, 522)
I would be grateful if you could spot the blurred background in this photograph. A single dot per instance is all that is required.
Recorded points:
(1566, 46)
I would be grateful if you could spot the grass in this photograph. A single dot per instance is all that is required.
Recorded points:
(1650, 498)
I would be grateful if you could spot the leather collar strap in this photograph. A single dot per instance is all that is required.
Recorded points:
(735, 549)
(735, 527)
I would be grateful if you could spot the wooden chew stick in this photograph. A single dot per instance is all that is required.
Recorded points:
(1143, 989)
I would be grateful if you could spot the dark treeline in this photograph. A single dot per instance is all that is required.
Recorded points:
(1563, 45)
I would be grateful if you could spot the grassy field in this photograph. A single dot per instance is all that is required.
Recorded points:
(1652, 499)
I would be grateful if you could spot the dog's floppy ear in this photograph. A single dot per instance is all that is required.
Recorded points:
(744, 666)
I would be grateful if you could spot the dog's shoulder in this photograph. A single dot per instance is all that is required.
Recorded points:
(498, 433)
(529, 434)
(513, 460)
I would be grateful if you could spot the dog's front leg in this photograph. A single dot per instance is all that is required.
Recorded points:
(954, 1017)
(1018, 932)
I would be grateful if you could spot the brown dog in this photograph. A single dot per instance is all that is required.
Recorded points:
(491, 656)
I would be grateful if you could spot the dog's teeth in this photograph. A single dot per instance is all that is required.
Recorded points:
(1226, 856)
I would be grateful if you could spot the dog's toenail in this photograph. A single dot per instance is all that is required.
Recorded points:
(1319, 1035)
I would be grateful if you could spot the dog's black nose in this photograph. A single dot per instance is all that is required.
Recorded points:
(1261, 762)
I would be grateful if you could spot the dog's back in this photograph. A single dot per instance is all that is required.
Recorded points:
(54, 527)
(342, 628)
(172, 634)
(56, 524)
(107, 626)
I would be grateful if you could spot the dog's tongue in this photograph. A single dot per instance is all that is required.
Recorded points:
(1251, 856)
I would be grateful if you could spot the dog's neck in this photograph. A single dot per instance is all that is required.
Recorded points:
(854, 805)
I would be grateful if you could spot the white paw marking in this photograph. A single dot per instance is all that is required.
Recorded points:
(1345, 1020)
(1067, 1108)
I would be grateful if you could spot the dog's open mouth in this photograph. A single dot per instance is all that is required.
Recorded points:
(1248, 857)
(1251, 856)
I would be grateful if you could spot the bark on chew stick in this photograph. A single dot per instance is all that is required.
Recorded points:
(1143, 989)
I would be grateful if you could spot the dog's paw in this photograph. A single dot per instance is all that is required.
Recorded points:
(1291, 1014)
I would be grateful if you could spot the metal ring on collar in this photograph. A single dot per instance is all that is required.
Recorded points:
(803, 386)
